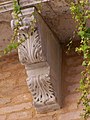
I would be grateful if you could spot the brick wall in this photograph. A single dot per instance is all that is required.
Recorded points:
(16, 100)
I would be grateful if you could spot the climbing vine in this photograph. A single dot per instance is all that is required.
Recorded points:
(18, 20)
(80, 10)
(13, 42)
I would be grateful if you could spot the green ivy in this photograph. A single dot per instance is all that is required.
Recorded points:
(81, 14)
(16, 14)
(18, 17)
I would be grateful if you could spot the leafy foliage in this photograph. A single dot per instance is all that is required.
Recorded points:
(81, 14)
(14, 43)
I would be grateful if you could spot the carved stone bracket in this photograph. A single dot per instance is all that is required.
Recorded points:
(41, 55)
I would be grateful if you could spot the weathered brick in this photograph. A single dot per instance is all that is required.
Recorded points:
(22, 98)
(73, 78)
(15, 108)
(2, 117)
(4, 75)
(70, 107)
(74, 70)
(4, 101)
(6, 91)
(70, 116)
(73, 59)
(45, 118)
(21, 115)
(72, 88)
(20, 90)
(72, 98)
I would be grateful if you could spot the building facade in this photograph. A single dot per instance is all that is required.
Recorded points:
(44, 87)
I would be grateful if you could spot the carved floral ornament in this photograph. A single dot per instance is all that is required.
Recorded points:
(40, 86)
(38, 71)
(30, 51)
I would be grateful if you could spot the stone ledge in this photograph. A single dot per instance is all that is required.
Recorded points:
(48, 108)
(7, 6)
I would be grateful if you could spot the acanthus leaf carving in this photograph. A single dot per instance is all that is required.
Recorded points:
(41, 87)
(30, 51)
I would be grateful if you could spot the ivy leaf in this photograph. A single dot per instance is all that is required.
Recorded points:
(88, 30)
(16, 7)
(87, 34)
(84, 63)
(88, 108)
(81, 33)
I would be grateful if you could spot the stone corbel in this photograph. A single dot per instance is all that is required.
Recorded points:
(41, 54)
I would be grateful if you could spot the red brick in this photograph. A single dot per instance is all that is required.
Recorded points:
(4, 101)
(72, 88)
(4, 75)
(70, 116)
(15, 108)
(22, 98)
(72, 98)
(2, 117)
(21, 115)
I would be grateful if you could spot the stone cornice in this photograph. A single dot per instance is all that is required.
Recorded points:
(7, 6)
